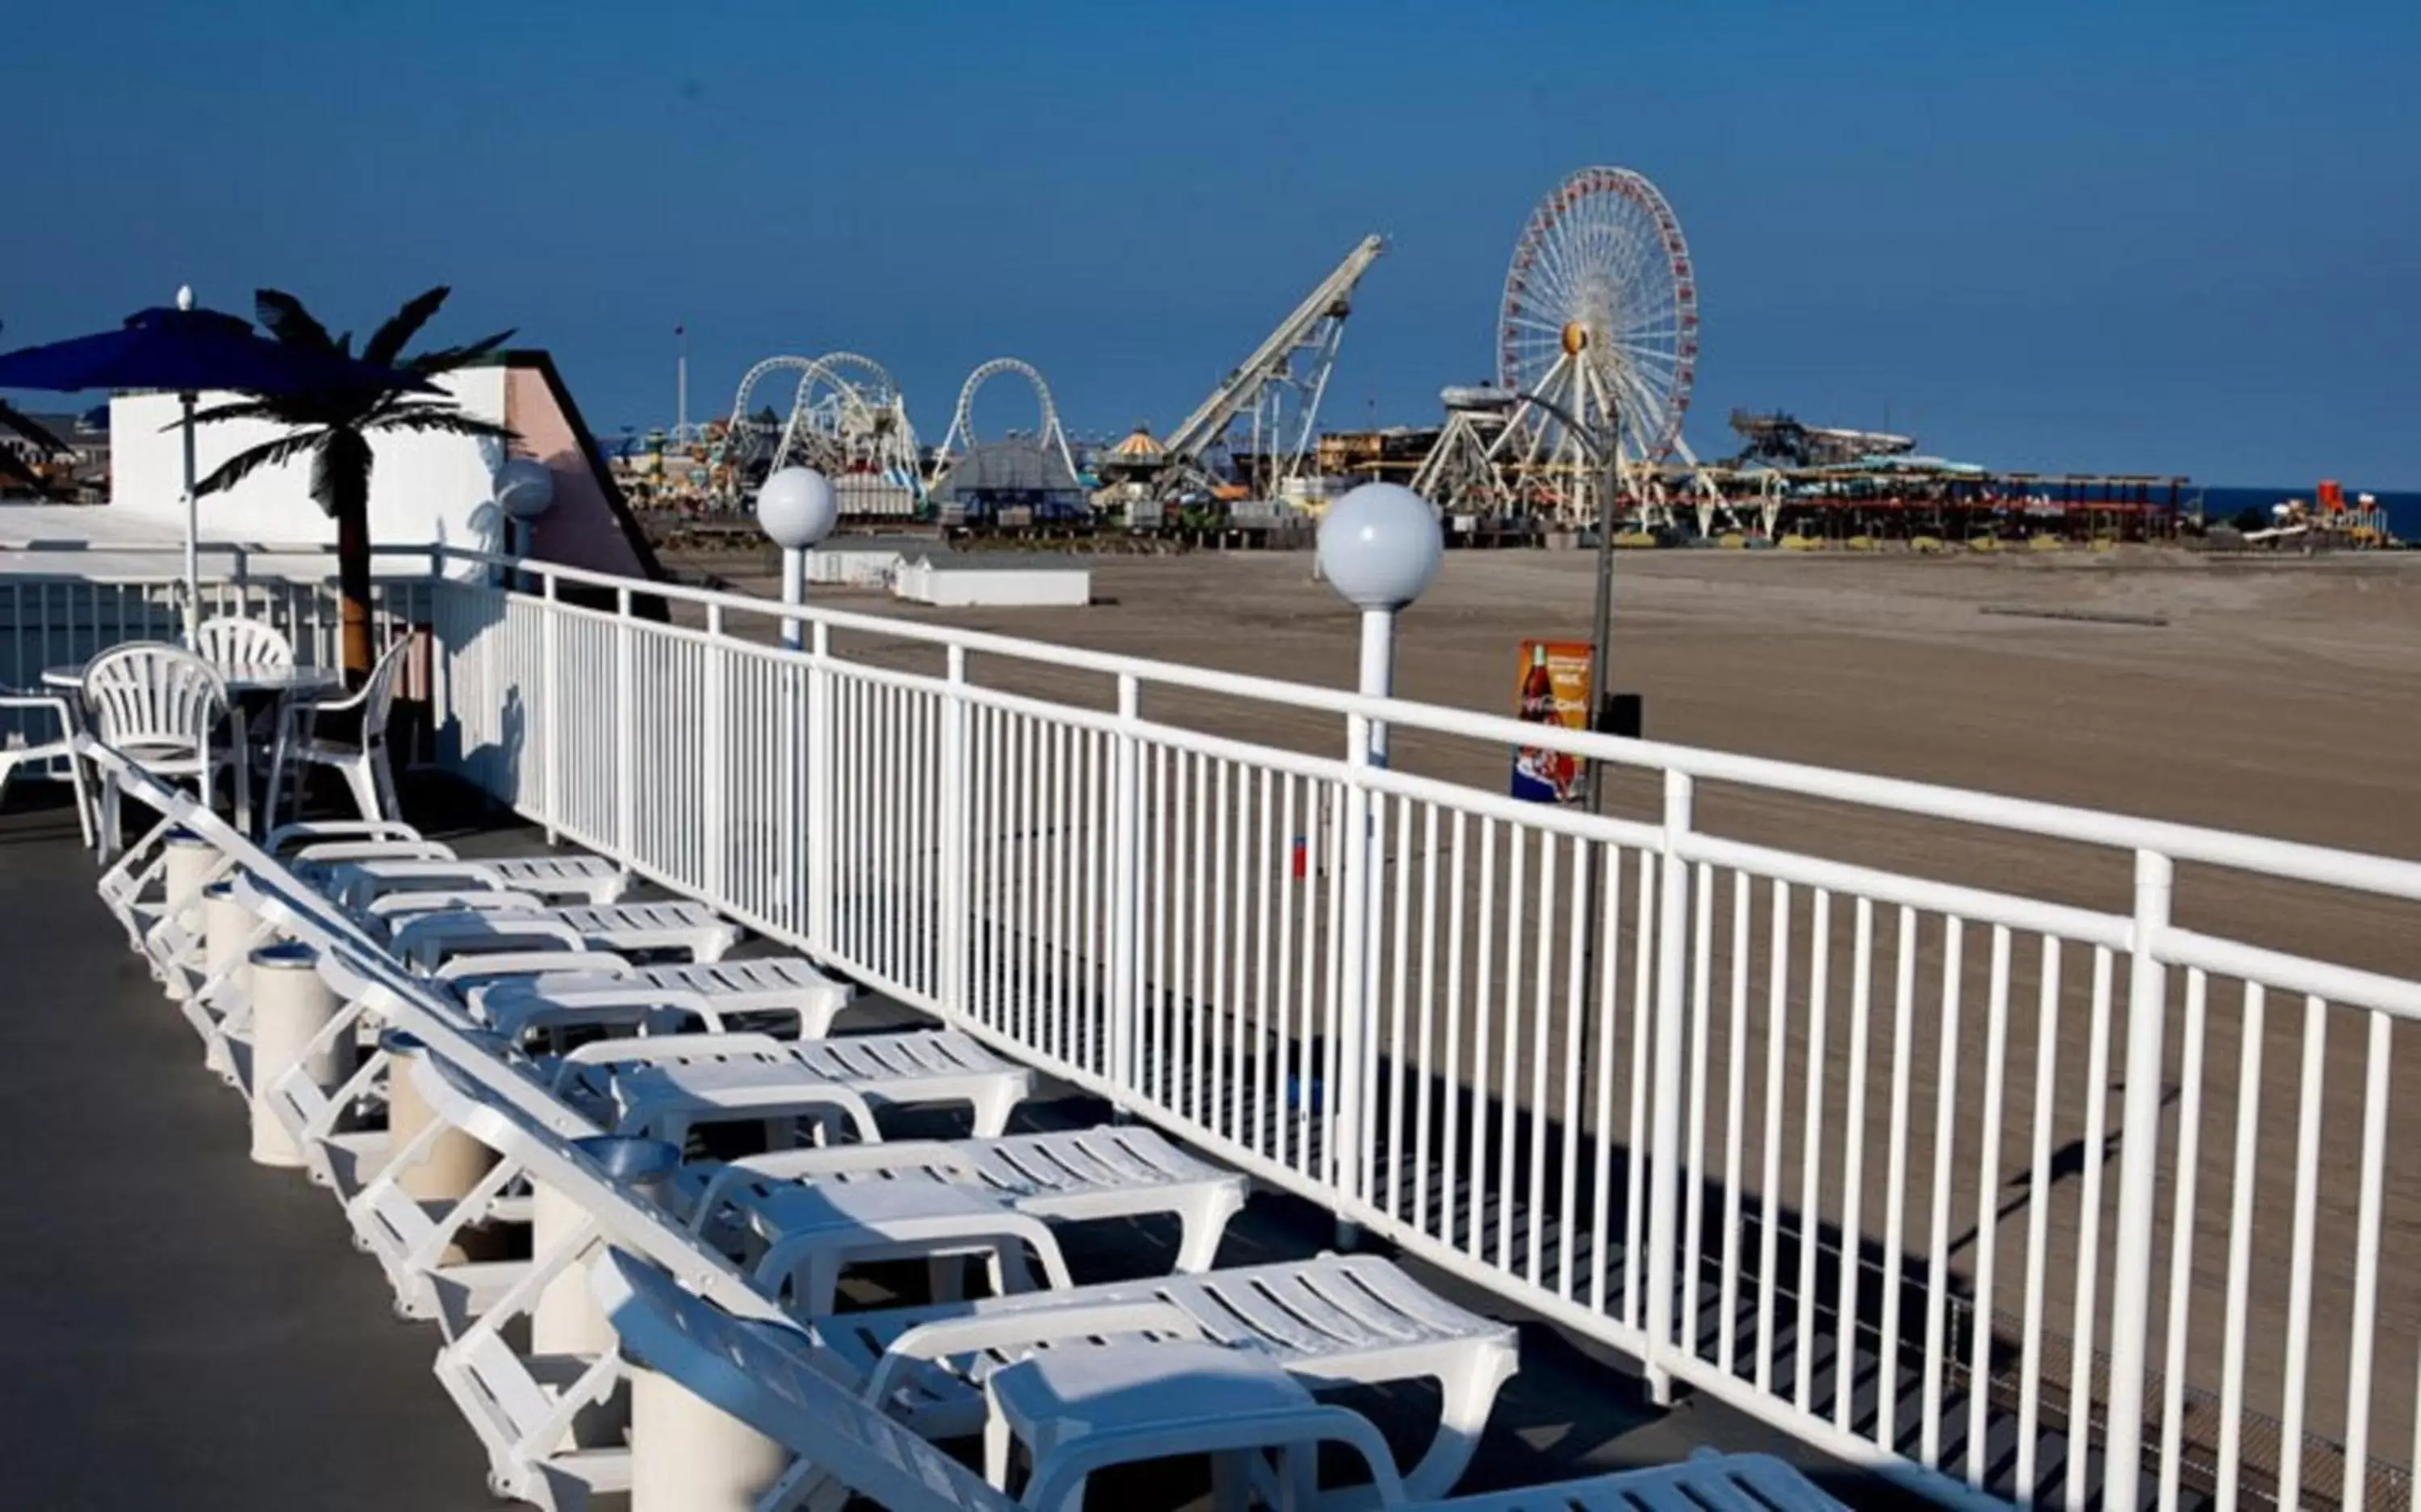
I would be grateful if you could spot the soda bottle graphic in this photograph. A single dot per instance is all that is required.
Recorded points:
(1536, 707)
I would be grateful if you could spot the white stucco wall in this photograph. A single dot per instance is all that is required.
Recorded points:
(423, 487)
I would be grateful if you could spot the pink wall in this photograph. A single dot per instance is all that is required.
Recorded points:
(583, 528)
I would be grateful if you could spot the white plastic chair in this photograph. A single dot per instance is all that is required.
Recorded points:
(164, 708)
(365, 763)
(61, 749)
(231, 643)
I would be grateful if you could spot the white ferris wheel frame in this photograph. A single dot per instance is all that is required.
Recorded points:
(1603, 249)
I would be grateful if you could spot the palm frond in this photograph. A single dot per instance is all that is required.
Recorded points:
(445, 359)
(281, 409)
(345, 345)
(283, 316)
(268, 454)
(386, 343)
(26, 426)
(444, 420)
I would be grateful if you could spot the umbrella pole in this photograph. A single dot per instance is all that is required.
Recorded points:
(192, 532)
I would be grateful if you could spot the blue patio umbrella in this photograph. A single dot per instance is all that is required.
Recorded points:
(187, 350)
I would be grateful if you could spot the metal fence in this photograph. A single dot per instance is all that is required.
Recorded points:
(58, 619)
(2014, 1198)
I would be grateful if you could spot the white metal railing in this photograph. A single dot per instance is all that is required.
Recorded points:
(59, 615)
(1942, 1178)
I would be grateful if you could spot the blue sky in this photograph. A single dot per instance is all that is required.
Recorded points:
(2158, 237)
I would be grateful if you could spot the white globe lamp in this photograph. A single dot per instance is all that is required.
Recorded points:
(1379, 546)
(525, 489)
(796, 508)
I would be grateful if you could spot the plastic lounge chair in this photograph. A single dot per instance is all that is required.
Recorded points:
(1083, 1407)
(764, 1374)
(523, 1407)
(667, 1084)
(766, 986)
(423, 935)
(391, 849)
(521, 1404)
(767, 1376)
(629, 1009)
(559, 879)
(1064, 1175)
(43, 753)
(1335, 1320)
(364, 762)
(344, 1158)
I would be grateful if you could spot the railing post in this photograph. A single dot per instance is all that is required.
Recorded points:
(950, 777)
(625, 732)
(550, 700)
(1664, 1237)
(710, 738)
(2139, 1158)
(818, 839)
(1126, 825)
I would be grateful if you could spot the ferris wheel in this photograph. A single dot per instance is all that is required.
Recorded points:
(1600, 317)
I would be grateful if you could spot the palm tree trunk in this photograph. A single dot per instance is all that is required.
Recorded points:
(346, 463)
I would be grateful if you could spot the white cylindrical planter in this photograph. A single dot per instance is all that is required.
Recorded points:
(228, 927)
(456, 1162)
(290, 1004)
(567, 1320)
(190, 858)
(689, 1455)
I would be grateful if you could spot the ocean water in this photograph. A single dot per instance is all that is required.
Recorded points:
(2221, 504)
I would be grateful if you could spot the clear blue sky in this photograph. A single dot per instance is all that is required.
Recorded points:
(2145, 235)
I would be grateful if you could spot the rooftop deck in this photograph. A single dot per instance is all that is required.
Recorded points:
(196, 1331)
(1437, 1056)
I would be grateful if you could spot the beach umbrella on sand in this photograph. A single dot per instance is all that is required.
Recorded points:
(186, 350)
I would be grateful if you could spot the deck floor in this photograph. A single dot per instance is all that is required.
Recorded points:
(185, 1328)
(189, 1330)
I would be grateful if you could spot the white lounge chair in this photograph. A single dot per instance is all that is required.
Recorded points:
(424, 941)
(383, 850)
(767, 985)
(1388, 1329)
(1062, 1177)
(667, 1084)
(1333, 1322)
(769, 1377)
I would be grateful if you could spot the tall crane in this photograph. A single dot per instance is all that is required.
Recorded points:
(1282, 382)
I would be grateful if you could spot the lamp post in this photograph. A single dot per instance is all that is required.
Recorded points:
(1601, 445)
(797, 509)
(1380, 548)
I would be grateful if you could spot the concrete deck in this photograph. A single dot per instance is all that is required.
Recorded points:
(185, 1328)
(188, 1328)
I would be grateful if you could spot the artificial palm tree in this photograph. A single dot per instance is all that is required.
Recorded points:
(333, 427)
